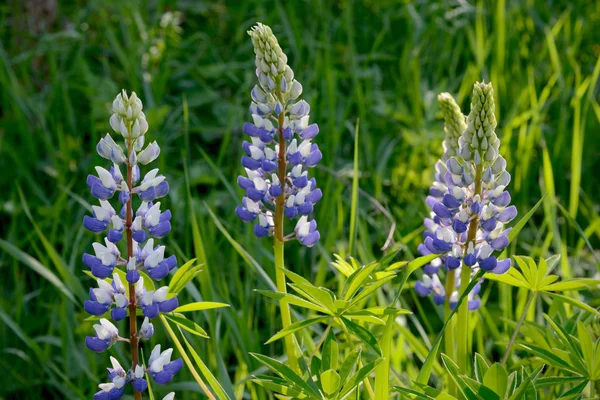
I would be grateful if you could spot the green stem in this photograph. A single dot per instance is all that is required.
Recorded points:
(449, 334)
(519, 323)
(462, 326)
(286, 319)
(382, 373)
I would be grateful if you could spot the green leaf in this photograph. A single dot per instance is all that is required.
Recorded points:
(294, 300)
(574, 302)
(480, 367)
(330, 381)
(186, 324)
(355, 281)
(278, 385)
(362, 334)
(286, 373)
(349, 363)
(358, 377)
(496, 378)
(183, 276)
(571, 284)
(205, 371)
(369, 289)
(587, 347)
(329, 355)
(509, 278)
(200, 306)
(296, 326)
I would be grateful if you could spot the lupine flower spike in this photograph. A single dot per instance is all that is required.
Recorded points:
(142, 260)
(469, 203)
(280, 151)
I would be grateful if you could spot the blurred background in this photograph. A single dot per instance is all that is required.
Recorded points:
(192, 64)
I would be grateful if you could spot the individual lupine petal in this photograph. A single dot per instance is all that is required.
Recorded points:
(502, 266)
(307, 232)
(248, 210)
(108, 391)
(149, 154)
(149, 309)
(310, 132)
(507, 215)
(119, 312)
(424, 287)
(170, 396)
(165, 305)
(106, 336)
(146, 330)
(156, 268)
(161, 367)
(139, 383)
(501, 200)
(132, 275)
(100, 299)
(433, 267)
(488, 263)
(264, 227)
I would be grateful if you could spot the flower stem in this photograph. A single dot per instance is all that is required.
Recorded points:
(286, 319)
(133, 334)
(382, 373)
(519, 323)
(462, 326)
(449, 333)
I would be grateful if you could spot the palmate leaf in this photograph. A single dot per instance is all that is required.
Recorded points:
(466, 391)
(356, 280)
(292, 379)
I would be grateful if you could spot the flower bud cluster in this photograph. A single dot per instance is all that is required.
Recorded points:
(279, 137)
(469, 203)
(112, 298)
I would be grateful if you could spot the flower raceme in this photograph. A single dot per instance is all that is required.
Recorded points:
(469, 203)
(279, 137)
(121, 292)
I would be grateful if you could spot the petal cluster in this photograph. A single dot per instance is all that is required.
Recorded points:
(279, 151)
(120, 277)
(119, 378)
(469, 203)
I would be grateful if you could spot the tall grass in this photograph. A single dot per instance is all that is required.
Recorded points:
(382, 62)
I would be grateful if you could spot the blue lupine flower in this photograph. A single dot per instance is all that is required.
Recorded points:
(146, 330)
(102, 298)
(139, 382)
(147, 224)
(161, 367)
(106, 335)
(469, 188)
(154, 302)
(276, 98)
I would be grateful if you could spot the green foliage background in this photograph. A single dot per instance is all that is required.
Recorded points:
(62, 63)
